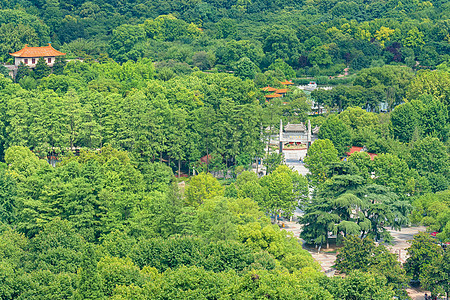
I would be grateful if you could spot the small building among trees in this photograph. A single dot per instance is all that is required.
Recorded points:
(34, 57)
(30, 55)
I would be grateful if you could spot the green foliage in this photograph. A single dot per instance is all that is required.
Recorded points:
(272, 161)
(430, 156)
(361, 285)
(89, 283)
(280, 66)
(58, 66)
(422, 252)
(245, 68)
(41, 69)
(337, 132)
(404, 120)
(124, 194)
(122, 46)
(433, 210)
(364, 255)
(23, 71)
(201, 187)
(8, 194)
(320, 155)
(436, 275)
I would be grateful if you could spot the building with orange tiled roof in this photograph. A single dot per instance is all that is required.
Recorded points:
(268, 89)
(273, 96)
(30, 55)
(281, 91)
(286, 82)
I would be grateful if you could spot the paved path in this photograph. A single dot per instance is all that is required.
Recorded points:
(293, 157)
(400, 242)
(326, 260)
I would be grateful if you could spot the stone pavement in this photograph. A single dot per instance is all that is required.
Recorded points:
(401, 238)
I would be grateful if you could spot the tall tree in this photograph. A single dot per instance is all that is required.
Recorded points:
(41, 69)
(320, 155)
(336, 131)
(422, 252)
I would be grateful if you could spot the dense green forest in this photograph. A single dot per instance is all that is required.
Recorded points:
(313, 37)
(152, 87)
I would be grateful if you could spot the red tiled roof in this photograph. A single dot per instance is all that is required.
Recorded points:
(286, 82)
(359, 149)
(47, 51)
(268, 89)
(206, 158)
(273, 96)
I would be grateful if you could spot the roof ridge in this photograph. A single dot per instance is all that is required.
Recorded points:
(43, 51)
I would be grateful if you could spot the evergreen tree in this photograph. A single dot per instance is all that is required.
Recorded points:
(22, 71)
(58, 66)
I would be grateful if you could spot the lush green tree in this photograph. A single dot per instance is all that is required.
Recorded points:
(249, 186)
(393, 172)
(22, 72)
(58, 66)
(58, 239)
(41, 69)
(272, 161)
(364, 255)
(434, 119)
(433, 83)
(404, 120)
(362, 161)
(14, 36)
(436, 276)
(201, 187)
(226, 28)
(89, 282)
(421, 253)
(281, 66)
(8, 197)
(429, 155)
(280, 198)
(122, 46)
(320, 155)
(115, 271)
(245, 68)
(337, 132)
(281, 42)
(361, 285)
(433, 210)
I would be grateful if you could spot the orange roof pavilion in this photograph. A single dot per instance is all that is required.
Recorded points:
(46, 51)
(286, 82)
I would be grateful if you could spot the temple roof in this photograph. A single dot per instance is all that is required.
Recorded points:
(295, 127)
(47, 51)
(281, 91)
(268, 89)
(286, 82)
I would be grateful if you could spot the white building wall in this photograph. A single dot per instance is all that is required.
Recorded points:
(29, 63)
